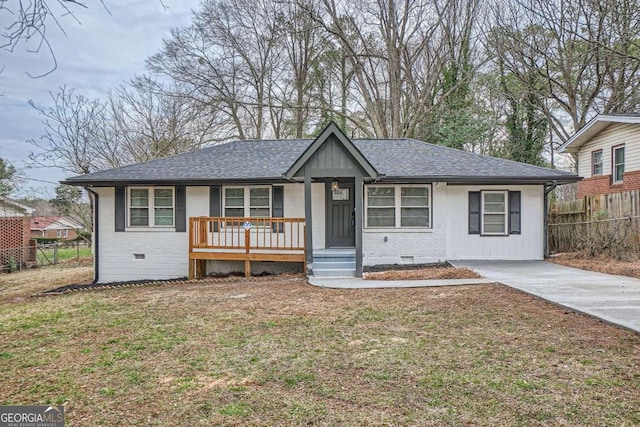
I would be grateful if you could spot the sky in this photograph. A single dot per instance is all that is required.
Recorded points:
(102, 50)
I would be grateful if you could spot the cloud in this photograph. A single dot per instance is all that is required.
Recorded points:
(97, 53)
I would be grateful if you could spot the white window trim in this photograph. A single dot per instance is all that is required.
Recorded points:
(614, 164)
(247, 199)
(505, 213)
(397, 195)
(151, 208)
(601, 163)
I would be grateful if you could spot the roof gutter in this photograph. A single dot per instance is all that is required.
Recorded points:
(481, 180)
(548, 188)
(95, 235)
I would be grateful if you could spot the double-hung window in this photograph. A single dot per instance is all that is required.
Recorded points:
(494, 212)
(596, 163)
(398, 206)
(254, 202)
(618, 164)
(151, 207)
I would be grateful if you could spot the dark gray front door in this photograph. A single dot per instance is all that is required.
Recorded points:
(341, 216)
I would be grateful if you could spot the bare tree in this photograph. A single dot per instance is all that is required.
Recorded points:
(227, 59)
(139, 121)
(29, 22)
(148, 120)
(71, 134)
(579, 49)
(397, 50)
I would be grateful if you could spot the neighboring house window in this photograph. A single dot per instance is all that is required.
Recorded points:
(398, 206)
(494, 213)
(618, 163)
(596, 163)
(151, 207)
(254, 202)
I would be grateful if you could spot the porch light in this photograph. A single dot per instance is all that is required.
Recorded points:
(335, 186)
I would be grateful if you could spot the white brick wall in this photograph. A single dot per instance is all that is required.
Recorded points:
(526, 246)
(420, 246)
(166, 252)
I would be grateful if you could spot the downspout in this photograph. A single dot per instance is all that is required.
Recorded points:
(94, 237)
(547, 189)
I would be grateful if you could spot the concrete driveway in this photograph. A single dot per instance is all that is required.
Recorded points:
(614, 299)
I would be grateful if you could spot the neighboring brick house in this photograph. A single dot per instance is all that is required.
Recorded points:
(607, 150)
(54, 227)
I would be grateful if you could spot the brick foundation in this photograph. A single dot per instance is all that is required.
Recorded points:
(597, 185)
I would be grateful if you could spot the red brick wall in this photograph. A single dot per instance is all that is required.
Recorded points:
(631, 180)
(15, 233)
(595, 185)
(601, 184)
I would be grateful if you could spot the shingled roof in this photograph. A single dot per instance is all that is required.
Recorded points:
(267, 161)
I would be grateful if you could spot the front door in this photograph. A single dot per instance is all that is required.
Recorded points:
(341, 216)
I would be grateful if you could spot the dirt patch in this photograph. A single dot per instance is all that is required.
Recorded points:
(428, 273)
(600, 264)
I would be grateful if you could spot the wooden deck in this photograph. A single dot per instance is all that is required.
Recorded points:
(244, 239)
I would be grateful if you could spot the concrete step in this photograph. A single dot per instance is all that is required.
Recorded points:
(334, 273)
(334, 265)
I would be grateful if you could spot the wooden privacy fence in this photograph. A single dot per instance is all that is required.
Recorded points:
(615, 205)
(244, 239)
(606, 224)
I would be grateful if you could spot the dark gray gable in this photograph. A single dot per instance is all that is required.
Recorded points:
(331, 151)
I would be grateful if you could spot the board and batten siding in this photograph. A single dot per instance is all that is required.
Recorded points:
(405, 245)
(614, 134)
(294, 208)
(529, 245)
(166, 252)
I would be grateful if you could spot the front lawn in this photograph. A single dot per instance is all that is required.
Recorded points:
(281, 352)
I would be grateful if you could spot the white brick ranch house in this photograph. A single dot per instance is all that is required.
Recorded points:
(333, 205)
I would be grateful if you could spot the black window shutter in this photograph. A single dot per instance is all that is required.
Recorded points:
(474, 212)
(514, 212)
(215, 203)
(121, 209)
(277, 210)
(181, 209)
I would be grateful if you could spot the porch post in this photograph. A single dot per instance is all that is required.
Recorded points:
(308, 246)
(359, 212)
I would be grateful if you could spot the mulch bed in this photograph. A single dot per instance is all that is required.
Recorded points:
(139, 283)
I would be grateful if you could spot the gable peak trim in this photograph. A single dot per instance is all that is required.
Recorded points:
(332, 129)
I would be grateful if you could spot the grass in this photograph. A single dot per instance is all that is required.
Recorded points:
(45, 256)
(280, 352)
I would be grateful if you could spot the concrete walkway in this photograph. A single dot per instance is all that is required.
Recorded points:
(614, 299)
(359, 283)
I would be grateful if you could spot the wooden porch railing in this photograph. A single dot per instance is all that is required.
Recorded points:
(244, 239)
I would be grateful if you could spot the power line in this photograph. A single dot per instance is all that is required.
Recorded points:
(35, 179)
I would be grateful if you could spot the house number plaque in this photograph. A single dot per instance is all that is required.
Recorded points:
(341, 194)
